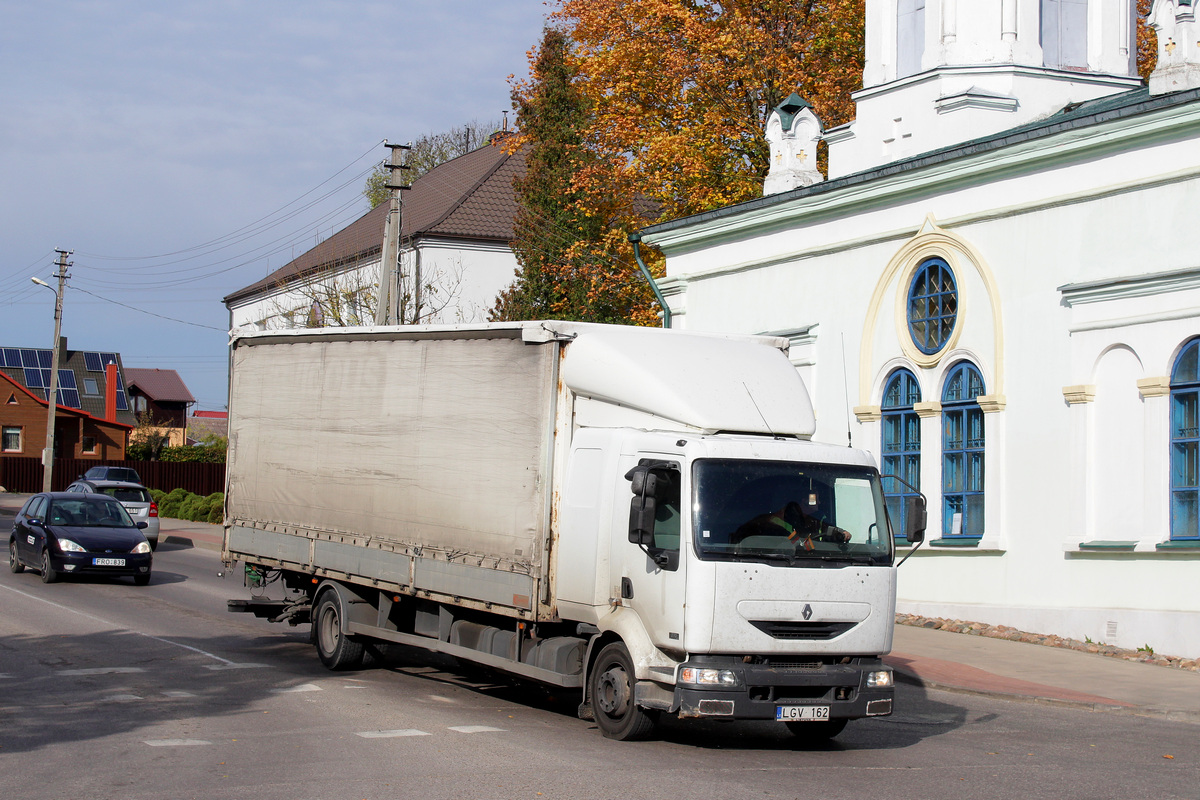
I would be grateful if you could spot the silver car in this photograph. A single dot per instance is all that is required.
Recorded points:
(133, 496)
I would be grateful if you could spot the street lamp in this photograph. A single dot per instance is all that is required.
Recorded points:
(52, 395)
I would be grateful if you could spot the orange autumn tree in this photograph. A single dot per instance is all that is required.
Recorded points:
(682, 89)
(669, 100)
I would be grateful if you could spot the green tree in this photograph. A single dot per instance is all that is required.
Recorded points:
(574, 263)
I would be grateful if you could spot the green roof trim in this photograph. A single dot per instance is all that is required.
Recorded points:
(957, 541)
(1179, 544)
(1107, 544)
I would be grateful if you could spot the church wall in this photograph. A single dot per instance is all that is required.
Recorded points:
(1050, 255)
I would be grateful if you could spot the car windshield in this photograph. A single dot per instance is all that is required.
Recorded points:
(126, 494)
(793, 513)
(88, 512)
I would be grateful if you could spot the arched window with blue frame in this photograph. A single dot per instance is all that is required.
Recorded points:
(932, 305)
(962, 452)
(901, 444)
(1185, 444)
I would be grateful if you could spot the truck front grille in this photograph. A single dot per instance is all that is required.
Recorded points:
(811, 631)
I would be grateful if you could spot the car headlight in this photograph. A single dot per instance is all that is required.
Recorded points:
(67, 546)
(879, 679)
(142, 547)
(709, 677)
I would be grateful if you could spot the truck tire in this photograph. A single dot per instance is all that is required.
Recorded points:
(816, 732)
(611, 688)
(335, 649)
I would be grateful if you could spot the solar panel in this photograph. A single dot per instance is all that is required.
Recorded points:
(69, 398)
(12, 357)
(92, 362)
(66, 379)
(108, 358)
(37, 378)
(29, 359)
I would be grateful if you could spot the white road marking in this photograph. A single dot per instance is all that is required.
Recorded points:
(304, 687)
(99, 671)
(391, 734)
(476, 729)
(120, 698)
(441, 699)
(176, 742)
(103, 621)
(232, 665)
(177, 693)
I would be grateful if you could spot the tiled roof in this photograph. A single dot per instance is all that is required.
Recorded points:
(469, 197)
(162, 385)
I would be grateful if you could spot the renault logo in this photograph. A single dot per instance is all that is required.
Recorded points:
(807, 613)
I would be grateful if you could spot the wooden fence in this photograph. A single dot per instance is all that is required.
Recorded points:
(25, 474)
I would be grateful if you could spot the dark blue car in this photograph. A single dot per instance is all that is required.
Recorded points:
(66, 533)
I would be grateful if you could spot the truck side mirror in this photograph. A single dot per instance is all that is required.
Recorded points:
(644, 485)
(915, 519)
(641, 520)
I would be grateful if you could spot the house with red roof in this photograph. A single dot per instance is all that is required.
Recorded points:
(92, 417)
(160, 397)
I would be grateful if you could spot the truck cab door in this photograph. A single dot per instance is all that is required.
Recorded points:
(649, 568)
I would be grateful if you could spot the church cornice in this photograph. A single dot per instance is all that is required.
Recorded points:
(1115, 123)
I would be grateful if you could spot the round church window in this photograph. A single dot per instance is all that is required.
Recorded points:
(932, 305)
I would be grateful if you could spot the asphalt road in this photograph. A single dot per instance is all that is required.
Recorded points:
(108, 690)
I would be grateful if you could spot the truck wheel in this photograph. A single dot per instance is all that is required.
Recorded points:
(336, 651)
(816, 732)
(611, 688)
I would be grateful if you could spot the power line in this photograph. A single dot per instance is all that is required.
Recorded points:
(149, 313)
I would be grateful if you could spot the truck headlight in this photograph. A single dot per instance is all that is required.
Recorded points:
(879, 679)
(709, 677)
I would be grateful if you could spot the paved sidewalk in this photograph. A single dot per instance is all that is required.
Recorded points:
(952, 661)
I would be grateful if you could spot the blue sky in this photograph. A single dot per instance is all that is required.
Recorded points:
(184, 150)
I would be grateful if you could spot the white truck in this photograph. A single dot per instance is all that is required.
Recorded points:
(637, 514)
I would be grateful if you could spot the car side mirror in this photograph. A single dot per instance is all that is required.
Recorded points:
(35, 522)
(915, 519)
(143, 525)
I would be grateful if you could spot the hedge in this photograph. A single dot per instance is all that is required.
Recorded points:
(182, 504)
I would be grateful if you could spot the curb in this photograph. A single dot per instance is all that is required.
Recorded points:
(1174, 715)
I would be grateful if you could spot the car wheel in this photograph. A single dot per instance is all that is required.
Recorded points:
(48, 573)
(141, 580)
(14, 561)
(616, 713)
(816, 732)
(336, 650)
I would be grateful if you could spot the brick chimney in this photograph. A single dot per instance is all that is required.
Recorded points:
(110, 392)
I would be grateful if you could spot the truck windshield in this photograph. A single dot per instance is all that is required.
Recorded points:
(792, 513)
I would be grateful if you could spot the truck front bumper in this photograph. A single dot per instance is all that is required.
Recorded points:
(862, 687)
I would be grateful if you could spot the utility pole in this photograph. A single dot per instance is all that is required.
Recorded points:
(388, 309)
(52, 394)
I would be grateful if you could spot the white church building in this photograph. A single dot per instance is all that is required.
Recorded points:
(996, 290)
